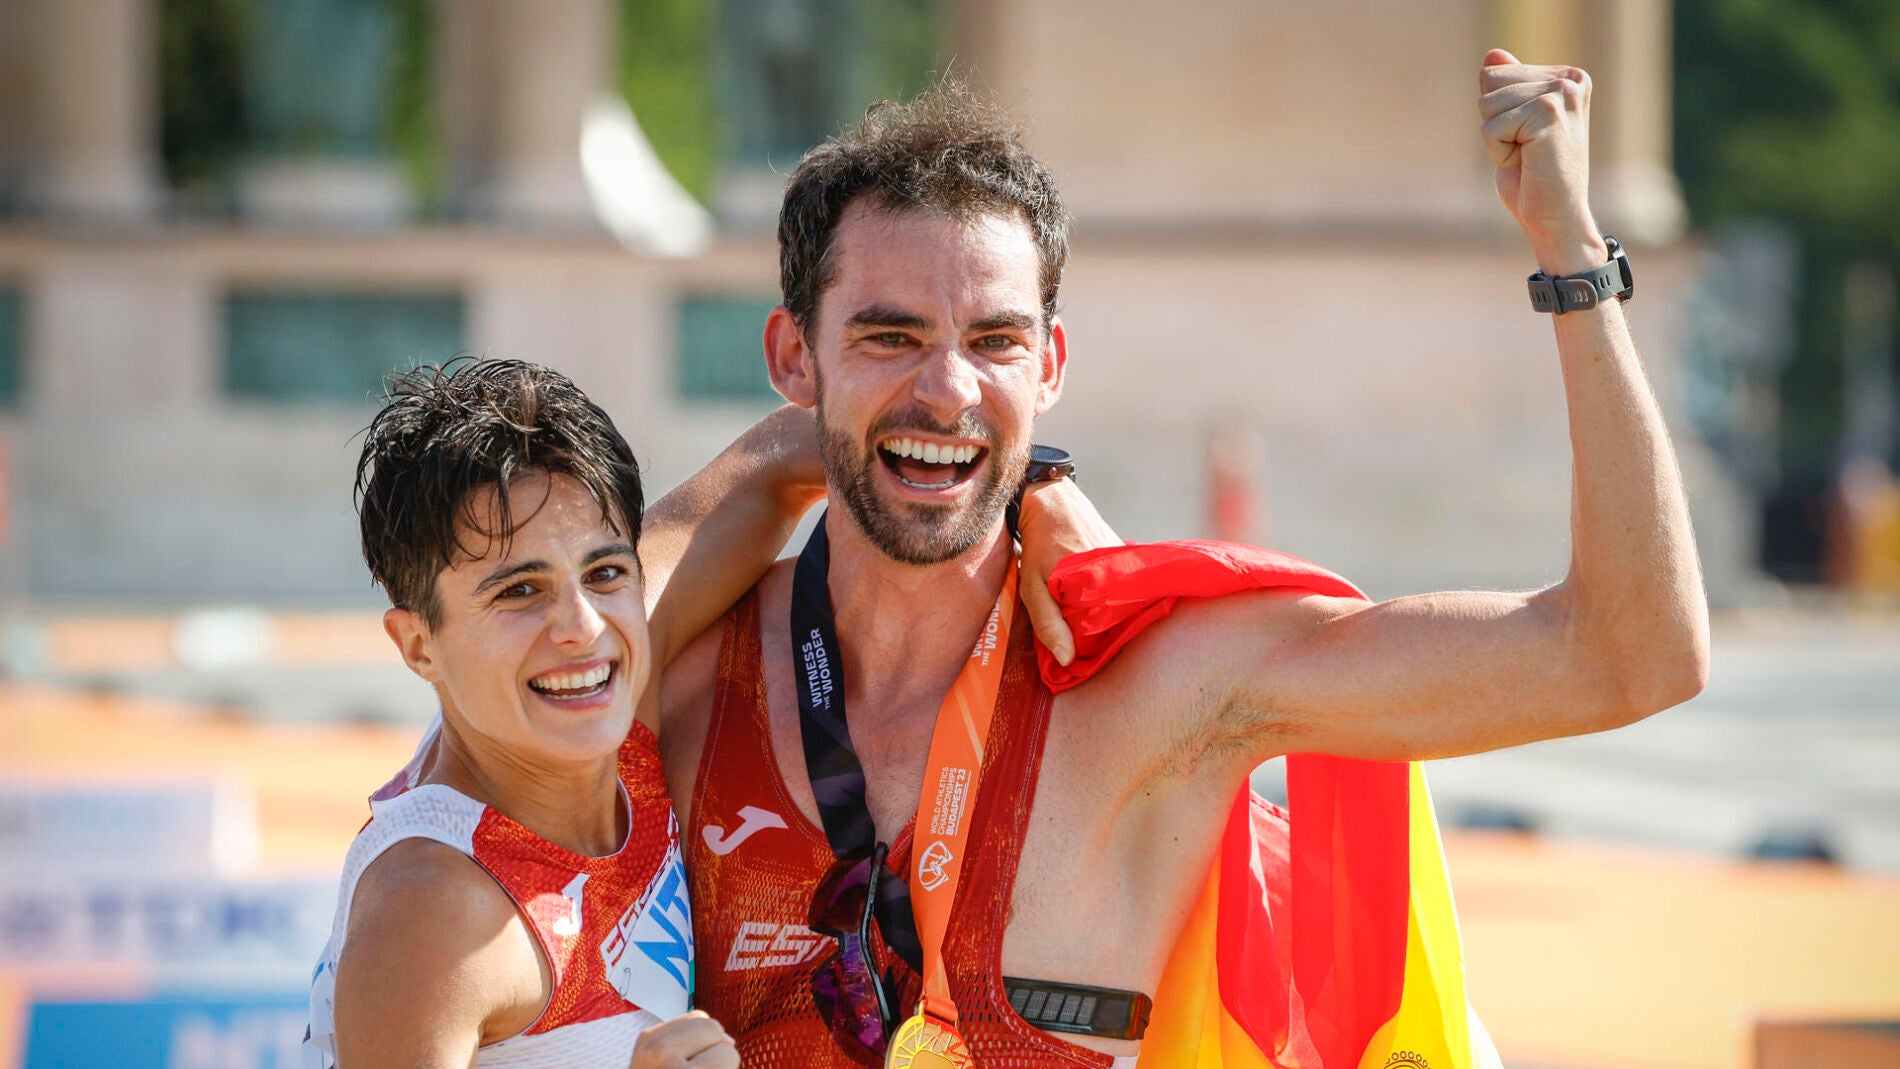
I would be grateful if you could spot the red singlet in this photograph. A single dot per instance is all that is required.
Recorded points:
(753, 860)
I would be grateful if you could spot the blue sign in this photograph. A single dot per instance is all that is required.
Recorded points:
(164, 921)
(168, 1032)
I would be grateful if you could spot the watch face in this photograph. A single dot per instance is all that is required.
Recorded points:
(1050, 455)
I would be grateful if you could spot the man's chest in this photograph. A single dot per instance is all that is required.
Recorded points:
(1069, 877)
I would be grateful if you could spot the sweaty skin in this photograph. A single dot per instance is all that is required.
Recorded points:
(923, 325)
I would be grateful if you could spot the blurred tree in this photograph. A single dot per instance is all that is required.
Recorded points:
(1790, 110)
(793, 72)
(905, 35)
(211, 117)
(410, 110)
(202, 120)
(666, 64)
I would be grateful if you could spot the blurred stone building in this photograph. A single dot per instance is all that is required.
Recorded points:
(1288, 257)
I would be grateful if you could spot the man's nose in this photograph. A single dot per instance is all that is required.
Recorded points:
(576, 621)
(947, 384)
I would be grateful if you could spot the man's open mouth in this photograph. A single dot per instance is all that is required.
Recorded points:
(569, 684)
(929, 465)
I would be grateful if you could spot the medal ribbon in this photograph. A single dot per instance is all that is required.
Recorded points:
(953, 771)
(952, 774)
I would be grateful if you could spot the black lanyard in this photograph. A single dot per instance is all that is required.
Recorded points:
(837, 777)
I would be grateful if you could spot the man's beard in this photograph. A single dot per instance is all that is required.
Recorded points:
(912, 532)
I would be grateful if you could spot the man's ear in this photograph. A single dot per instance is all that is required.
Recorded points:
(788, 360)
(411, 636)
(1055, 363)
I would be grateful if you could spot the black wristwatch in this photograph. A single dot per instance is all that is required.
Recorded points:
(1585, 289)
(1046, 464)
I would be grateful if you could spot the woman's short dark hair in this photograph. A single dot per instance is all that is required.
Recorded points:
(447, 432)
(948, 151)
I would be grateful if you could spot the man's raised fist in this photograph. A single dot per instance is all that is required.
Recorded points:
(1537, 131)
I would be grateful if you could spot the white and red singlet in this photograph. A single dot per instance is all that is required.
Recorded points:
(616, 931)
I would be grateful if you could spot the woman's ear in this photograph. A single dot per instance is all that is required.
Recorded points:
(410, 633)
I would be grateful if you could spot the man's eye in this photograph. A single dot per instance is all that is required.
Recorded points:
(607, 573)
(515, 592)
(891, 339)
(996, 343)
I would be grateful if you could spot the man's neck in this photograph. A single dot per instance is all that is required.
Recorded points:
(906, 629)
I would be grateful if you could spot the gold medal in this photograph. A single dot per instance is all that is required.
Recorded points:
(923, 1042)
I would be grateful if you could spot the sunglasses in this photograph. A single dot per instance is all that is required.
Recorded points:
(846, 987)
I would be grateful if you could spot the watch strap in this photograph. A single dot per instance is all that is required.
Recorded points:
(1080, 1009)
(1585, 289)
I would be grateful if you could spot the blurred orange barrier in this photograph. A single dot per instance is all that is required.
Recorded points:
(1615, 957)
(115, 644)
(310, 781)
(1836, 1045)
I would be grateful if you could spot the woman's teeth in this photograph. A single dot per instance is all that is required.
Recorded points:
(567, 682)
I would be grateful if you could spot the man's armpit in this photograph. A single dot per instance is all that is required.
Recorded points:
(1229, 655)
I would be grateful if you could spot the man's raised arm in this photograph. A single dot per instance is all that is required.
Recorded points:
(1623, 636)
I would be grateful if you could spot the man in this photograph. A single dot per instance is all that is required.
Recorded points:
(920, 258)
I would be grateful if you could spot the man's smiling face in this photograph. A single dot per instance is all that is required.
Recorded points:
(931, 361)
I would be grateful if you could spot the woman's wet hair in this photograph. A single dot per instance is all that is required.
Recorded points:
(438, 460)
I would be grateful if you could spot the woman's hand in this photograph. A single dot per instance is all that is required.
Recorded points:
(689, 1041)
(1057, 520)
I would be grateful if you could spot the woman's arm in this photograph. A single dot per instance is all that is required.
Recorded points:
(705, 543)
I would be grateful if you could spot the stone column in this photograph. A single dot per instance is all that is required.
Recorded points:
(1625, 45)
(465, 44)
(95, 82)
(1634, 176)
(549, 62)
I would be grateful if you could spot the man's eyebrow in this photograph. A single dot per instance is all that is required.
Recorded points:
(883, 315)
(507, 572)
(1006, 321)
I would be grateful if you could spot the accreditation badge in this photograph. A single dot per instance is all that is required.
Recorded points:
(923, 1042)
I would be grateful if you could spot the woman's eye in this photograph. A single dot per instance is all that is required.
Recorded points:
(607, 573)
(518, 590)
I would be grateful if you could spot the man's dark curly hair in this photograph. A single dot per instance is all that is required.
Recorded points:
(946, 151)
(447, 432)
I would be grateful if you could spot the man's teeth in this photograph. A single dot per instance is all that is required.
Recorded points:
(593, 677)
(930, 452)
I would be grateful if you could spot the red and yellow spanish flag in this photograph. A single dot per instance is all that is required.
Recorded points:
(1325, 936)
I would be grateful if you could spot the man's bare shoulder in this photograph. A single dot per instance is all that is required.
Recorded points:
(1171, 689)
(1201, 638)
(436, 961)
